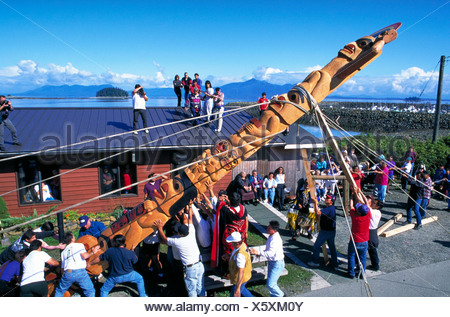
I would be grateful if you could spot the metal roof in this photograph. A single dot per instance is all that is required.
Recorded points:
(45, 128)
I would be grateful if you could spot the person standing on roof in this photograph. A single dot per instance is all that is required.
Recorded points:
(195, 103)
(139, 99)
(187, 83)
(263, 106)
(219, 108)
(5, 109)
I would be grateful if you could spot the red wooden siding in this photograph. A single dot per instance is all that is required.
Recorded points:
(82, 185)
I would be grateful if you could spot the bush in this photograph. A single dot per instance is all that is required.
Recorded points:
(3, 209)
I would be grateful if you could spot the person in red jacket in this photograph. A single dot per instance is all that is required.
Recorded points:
(263, 107)
(360, 214)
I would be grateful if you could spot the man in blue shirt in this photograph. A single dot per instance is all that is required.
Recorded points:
(327, 231)
(92, 228)
(120, 262)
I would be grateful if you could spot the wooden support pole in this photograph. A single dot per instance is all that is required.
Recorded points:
(312, 191)
(389, 223)
(410, 226)
(332, 142)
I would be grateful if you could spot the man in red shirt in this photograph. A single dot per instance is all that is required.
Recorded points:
(263, 107)
(360, 215)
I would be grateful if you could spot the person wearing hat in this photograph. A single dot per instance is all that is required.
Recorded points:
(274, 253)
(327, 231)
(88, 227)
(413, 155)
(195, 105)
(187, 247)
(406, 168)
(360, 215)
(121, 262)
(216, 200)
(240, 266)
(139, 99)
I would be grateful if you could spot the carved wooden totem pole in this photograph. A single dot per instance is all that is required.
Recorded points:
(176, 193)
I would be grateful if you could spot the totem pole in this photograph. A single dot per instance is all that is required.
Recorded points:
(283, 111)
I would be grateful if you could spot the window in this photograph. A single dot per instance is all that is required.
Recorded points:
(115, 176)
(30, 172)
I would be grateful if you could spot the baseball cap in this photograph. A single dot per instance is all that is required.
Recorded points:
(83, 221)
(183, 229)
(222, 192)
(234, 237)
(362, 209)
(409, 158)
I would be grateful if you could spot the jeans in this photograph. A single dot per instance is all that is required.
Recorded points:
(143, 114)
(270, 195)
(280, 195)
(195, 280)
(195, 113)
(381, 192)
(424, 205)
(361, 248)
(79, 276)
(8, 123)
(244, 291)
(133, 277)
(275, 268)
(373, 254)
(416, 205)
(178, 93)
(218, 113)
(320, 192)
(325, 236)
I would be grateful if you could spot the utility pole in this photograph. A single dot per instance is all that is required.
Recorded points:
(437, 111)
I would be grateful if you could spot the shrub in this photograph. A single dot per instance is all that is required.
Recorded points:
(3, 209)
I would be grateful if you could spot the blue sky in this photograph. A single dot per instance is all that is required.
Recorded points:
(123, 42)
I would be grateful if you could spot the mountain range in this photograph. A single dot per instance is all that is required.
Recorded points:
(250, 89)
(247, 90)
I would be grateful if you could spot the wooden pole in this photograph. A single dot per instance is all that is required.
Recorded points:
(332, 141)
(437, 111)
(312, 191)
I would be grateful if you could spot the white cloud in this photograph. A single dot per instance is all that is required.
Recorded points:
(28, 74)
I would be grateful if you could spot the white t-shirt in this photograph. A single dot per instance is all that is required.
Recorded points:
(71, 257)
(269, 183)
(274, 248)
(408, 167)
(138, 101)
(187, 247)
(33, 267)
(375, 216)
(240, 259)
(202, 228)
(280, 178)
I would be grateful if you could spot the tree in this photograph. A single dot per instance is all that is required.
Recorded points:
(112, 92)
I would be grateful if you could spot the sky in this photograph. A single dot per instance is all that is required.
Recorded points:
(123, 43)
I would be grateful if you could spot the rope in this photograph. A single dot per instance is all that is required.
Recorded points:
(234, 111)
(119, 134)
(396, 184)
(131, 185)
(361, 270)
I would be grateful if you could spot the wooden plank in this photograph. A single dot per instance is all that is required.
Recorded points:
(407, 227)
(389, 223)
(312, 190)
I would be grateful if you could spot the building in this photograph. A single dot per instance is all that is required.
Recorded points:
(55, 142)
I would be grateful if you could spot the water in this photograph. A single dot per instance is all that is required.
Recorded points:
(316, 131)
(92, 102)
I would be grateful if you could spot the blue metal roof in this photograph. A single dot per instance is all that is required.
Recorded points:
(44, 128)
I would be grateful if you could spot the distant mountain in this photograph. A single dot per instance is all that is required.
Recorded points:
(247, 90)
(64, 91)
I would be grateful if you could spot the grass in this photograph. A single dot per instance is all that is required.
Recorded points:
(297, 280)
